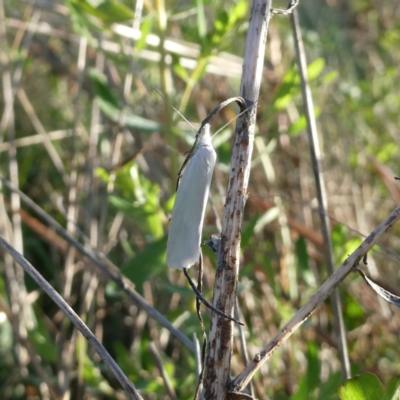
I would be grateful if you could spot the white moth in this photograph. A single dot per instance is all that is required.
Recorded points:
(183, 247)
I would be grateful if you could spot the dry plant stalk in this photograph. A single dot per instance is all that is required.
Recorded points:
(217, 365)
(74, 318)
(316, 162)
(351, 264)
(108, 269)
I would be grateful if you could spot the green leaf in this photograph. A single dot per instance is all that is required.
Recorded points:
(146, 214)
(108, 100)
(272, 279)
(248, 231)
(328, 389)
(90, 371)
(310, 380)
(108, 11)
(43, 342)
(330, 77)
(393, 389)
(179, 69)
(386, 152)
(134, 121)
(201, 20)
(130, 365)
(349, 247)
(224, 25)
(303, 262)
(315, 68)
(145, 28)
(81, 23)
(301, 124)
(147, 263)
(289, 89)
(339, 240)
(364, 387)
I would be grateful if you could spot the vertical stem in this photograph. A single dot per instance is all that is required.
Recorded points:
(68, 346)
(220, 338)
(321, 194)
(21, 310)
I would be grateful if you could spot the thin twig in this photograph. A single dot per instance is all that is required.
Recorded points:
(312, 134)
(54, 156)
(318, 298)
(68, 348)
(107, 268)
(70, 313)
(14, 276)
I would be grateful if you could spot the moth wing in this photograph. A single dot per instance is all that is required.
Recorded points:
(183, 246)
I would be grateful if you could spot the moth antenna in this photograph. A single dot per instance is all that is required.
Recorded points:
(232, 119)
(179, 113)
(189, 156)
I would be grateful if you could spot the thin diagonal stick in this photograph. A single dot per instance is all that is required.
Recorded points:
(312, 134)
(108, 269)
(351, 264)
(70, 313)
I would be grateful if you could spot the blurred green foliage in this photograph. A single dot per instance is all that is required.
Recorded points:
(368, 387)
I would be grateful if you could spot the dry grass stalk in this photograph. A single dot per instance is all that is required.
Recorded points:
(74, 318)
(220, 339)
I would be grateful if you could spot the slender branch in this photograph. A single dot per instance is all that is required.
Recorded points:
(220, 338)
(14, 276)
(312, 134)
(68, 346)
(107, 268)
(318, 298)
(54, 156)
(70, 313)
